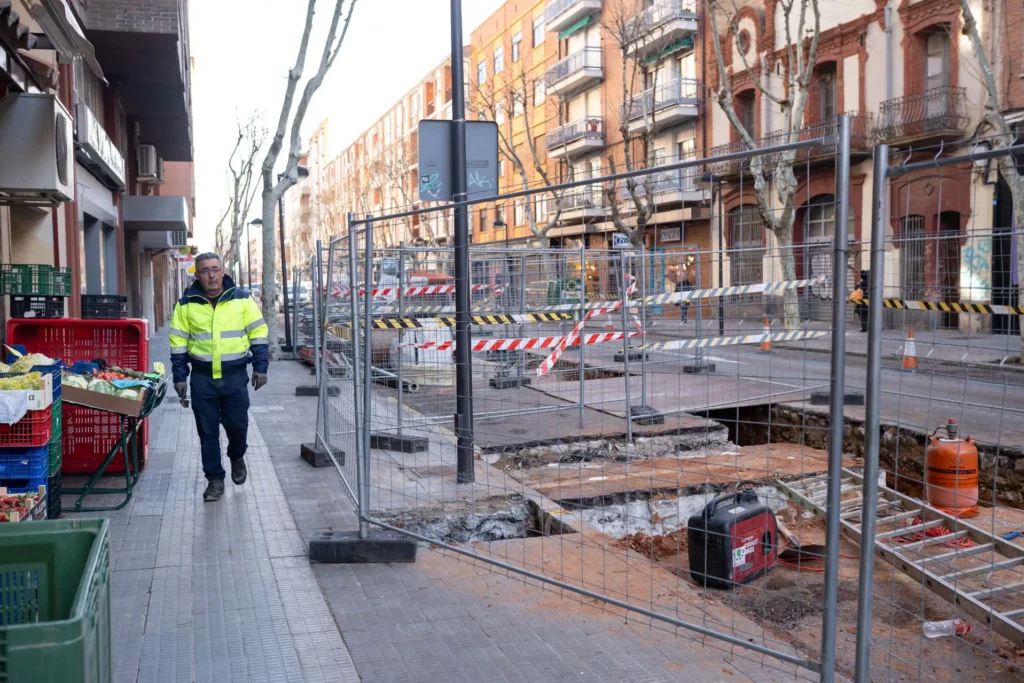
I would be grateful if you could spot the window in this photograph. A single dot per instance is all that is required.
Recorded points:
(540, 210)
(517, 40)
(519, 212)
(746, 245)
(911, 243)
(499, 113)
(517, 103)
(936, 69)
(482, 220)
(827, 91)
(538, 92)
(501, 169)
(820, 223)
(481, 73)
(746, 112)
(499, 59)
(538, 31)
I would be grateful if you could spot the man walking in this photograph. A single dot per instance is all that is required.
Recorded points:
(684, 285)
(218, 329)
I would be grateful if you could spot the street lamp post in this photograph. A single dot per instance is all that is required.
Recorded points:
(302, 172)
(248, 250)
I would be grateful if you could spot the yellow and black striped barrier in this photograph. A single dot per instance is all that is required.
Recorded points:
(449, 321)
(950, 307)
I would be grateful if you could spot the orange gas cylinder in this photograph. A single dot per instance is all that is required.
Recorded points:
(951, 473)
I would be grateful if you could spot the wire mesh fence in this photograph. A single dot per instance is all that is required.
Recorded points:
(654, 426)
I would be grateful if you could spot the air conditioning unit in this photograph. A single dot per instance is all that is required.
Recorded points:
(38, 156)
(147, 162)
(179, 238)
(159, 180)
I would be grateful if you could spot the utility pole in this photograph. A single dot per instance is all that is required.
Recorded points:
(463, 357)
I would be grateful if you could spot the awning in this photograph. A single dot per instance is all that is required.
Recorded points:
(155, 213)
(581, 24)
(61, 27)
(681, 44)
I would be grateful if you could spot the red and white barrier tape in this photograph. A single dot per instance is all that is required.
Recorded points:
(527, 343)
(573, 337)
(410, 291)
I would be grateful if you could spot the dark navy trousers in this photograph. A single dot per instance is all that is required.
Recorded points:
(217, 402)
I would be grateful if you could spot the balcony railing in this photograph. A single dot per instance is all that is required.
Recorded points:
(556, 8)
(677, 180)
(582, 198)
(939, 111)
(587, 58)
(861, 124)
(590, 128)
(662, 12)
(679, 91)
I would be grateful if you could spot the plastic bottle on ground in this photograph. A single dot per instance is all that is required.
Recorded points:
(950, 627)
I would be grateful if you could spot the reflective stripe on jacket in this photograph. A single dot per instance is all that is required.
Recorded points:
(217, 339)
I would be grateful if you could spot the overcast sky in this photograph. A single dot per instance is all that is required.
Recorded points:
(243, 49)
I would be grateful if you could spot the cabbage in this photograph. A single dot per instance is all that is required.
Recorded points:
(131, 394)
(102, 386)
(76, 381)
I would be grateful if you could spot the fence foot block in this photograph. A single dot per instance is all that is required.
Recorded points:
(824, 398)
(646, 415)
(698, 368)
(634, 357)
(317, 456)
(345, 547)
(403, 444)
(509, 382)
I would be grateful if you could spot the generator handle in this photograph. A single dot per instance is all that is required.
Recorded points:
(734, 497)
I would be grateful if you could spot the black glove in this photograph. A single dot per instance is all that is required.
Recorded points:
(181, 388)
(258, 380)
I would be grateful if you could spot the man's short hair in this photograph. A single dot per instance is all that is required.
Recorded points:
(208, 256)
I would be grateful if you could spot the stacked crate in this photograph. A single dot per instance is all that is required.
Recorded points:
(31, 449)
(36, 290)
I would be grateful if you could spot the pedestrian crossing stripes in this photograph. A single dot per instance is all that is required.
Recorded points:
(950, 307)
(711, 342)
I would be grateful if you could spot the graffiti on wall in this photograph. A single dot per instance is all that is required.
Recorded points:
(976, 269)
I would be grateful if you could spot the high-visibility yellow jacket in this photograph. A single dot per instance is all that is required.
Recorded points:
(217, 339)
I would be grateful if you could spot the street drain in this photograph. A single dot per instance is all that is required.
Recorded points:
(488, 519)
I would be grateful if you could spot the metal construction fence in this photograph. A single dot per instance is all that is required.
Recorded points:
(617, 392)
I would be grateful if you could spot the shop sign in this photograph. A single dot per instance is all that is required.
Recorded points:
(671, 234)
(620, 241)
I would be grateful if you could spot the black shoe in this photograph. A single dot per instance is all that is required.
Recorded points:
(214, 490)
(238, 471)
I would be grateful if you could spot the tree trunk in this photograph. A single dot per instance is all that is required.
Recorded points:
(267, 293)
(790, 302)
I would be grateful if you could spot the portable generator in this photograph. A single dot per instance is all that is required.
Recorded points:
(732, 541)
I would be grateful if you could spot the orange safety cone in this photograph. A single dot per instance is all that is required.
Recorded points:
(766, 343)
(910, 352)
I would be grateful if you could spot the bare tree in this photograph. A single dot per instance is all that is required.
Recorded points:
(252, 135)
(626, 25)
(1002, 135)
(502, 100)
(273, 190)
(797, 63)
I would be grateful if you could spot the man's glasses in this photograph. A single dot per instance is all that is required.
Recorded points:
(216, 270)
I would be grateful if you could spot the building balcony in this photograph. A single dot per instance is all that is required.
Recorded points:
(861, 135)
(670, 188)
(931, 116)
(576, 72)
(663, 106)
(582, 203)
(576, 139)
(662, 25)
(563, 14)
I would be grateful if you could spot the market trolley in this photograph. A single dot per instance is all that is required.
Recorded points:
(128, 446)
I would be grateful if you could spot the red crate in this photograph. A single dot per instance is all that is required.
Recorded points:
(35, 429)
(88, 434)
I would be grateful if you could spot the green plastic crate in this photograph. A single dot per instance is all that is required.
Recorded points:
(31, 278)
(55, 602)
(57, 418)
(56, 453)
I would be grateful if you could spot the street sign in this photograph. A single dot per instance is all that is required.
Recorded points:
(671, 234)
(435, 160)
(620, 241)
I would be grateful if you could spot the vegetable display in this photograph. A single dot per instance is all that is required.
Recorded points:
(21, 382)
(14, 508)
(30, 360)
